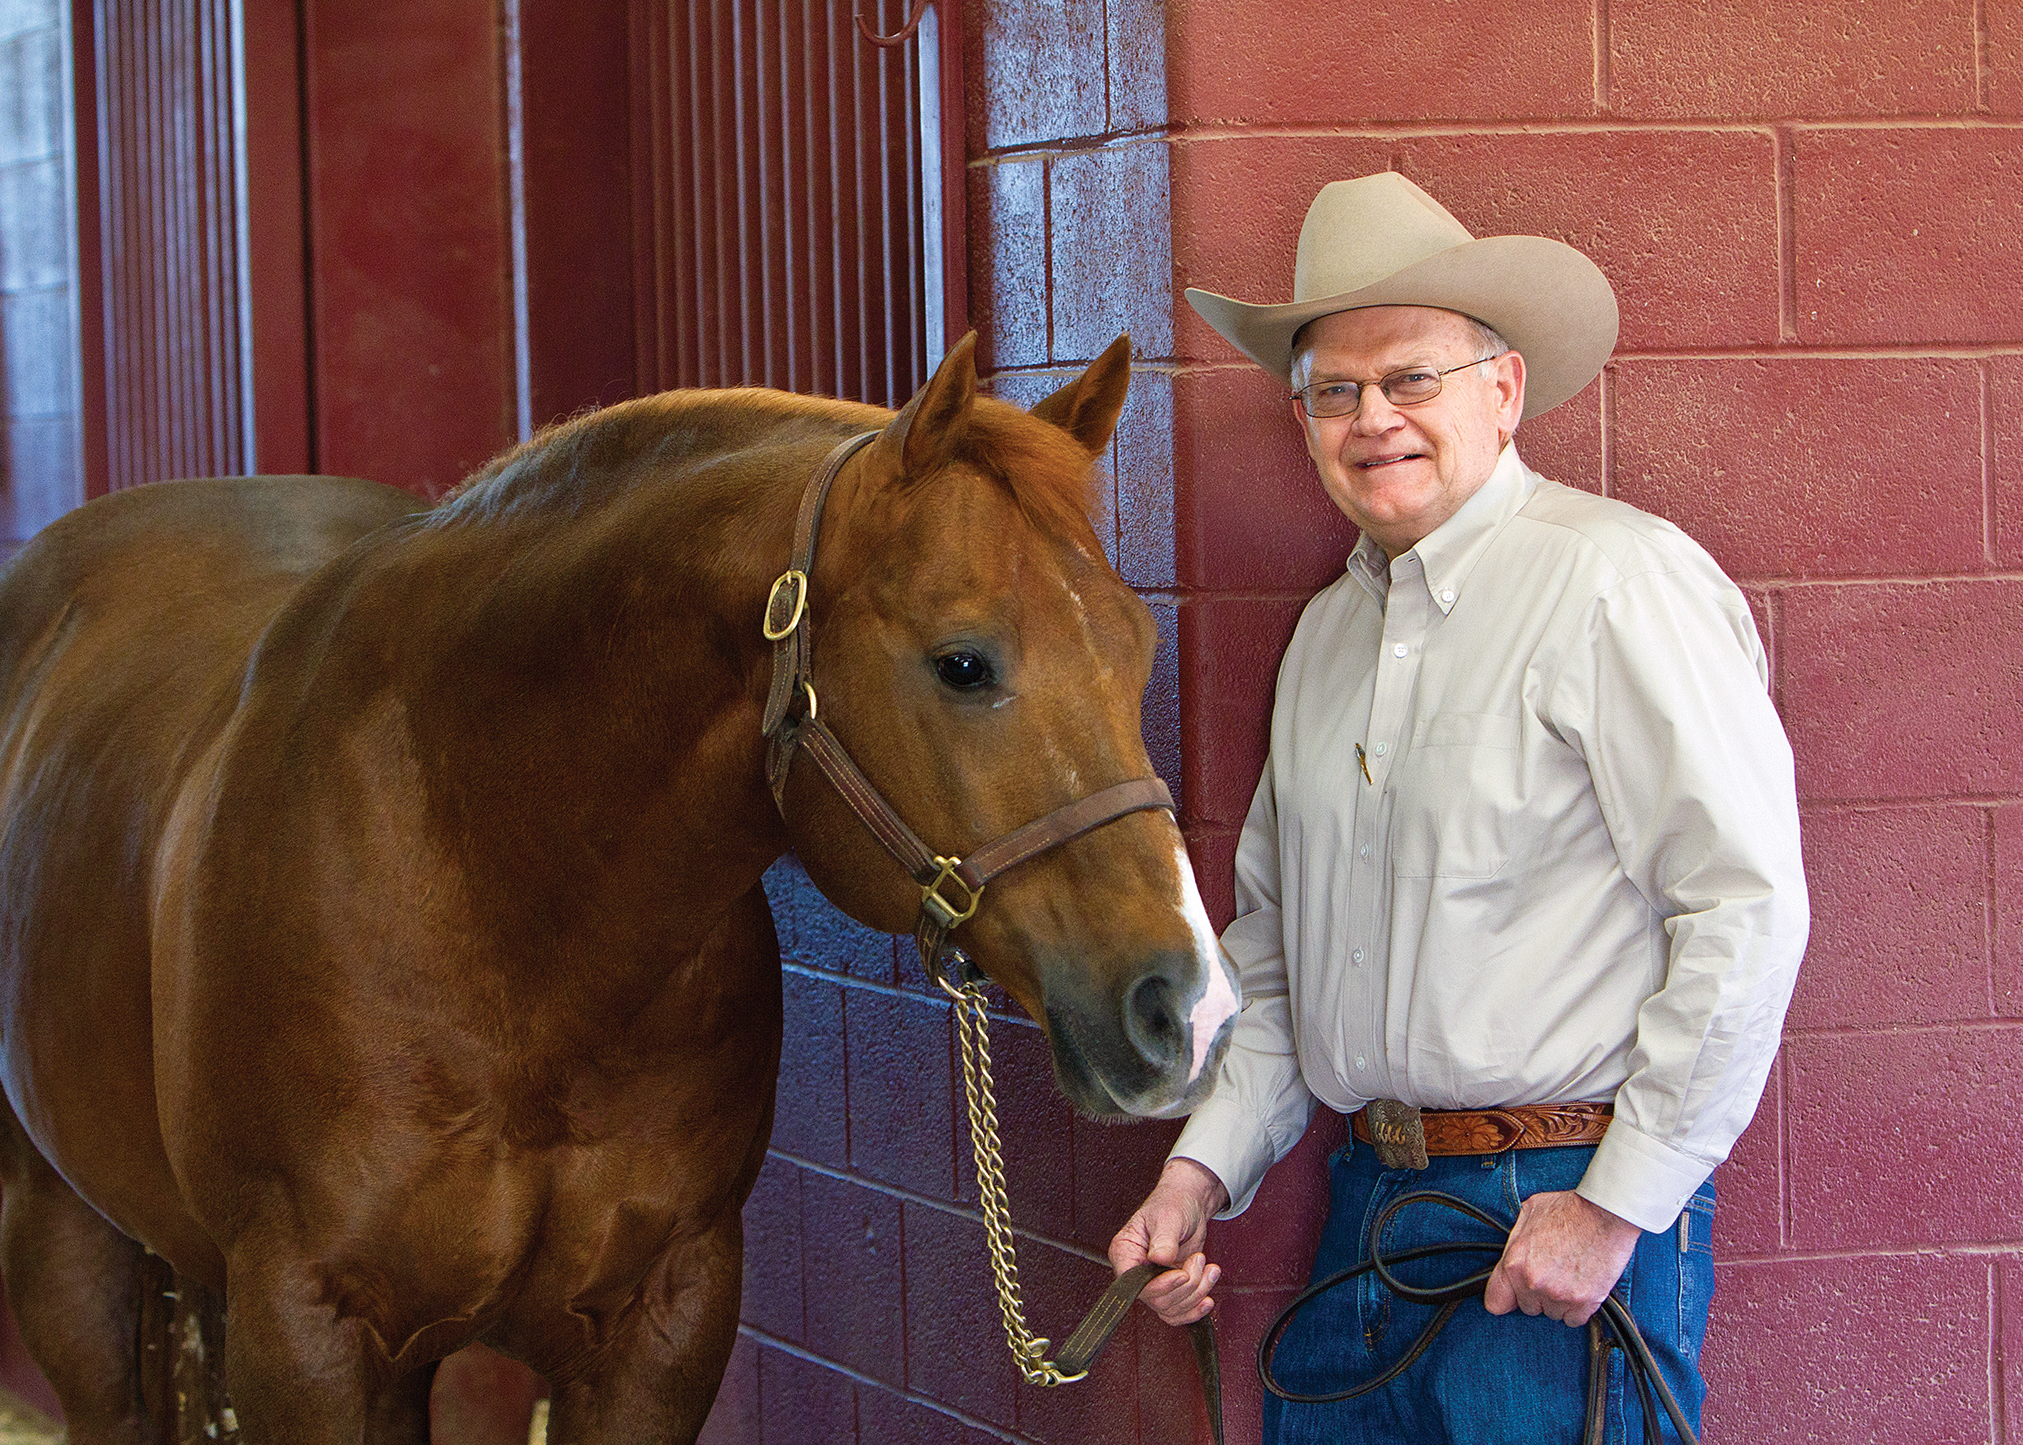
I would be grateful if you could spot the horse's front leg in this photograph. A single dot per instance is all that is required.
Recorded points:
(658, 1376)
(301, 1372)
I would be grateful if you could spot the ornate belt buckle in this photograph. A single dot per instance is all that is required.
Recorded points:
(1398, 1134)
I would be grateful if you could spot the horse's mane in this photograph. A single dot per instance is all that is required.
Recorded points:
(1045, 469)
(569, 464)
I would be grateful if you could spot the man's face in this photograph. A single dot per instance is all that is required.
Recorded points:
(1399, 472)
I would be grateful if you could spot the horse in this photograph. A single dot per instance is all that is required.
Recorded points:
(382, 942)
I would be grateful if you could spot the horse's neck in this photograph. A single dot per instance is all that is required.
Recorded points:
(586, 692)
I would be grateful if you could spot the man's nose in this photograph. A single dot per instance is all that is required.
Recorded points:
(1374, 414)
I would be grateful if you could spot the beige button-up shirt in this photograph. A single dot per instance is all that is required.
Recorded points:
(1572, 872)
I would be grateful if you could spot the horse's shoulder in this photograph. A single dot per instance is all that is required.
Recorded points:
(142, 606)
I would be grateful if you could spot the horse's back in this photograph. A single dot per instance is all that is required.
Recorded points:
(125, 629)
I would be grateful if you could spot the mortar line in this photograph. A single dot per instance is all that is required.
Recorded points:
(1607, 421)
(1848, 806)
(1047, 234)
(851, 1372)
(1997, 1402)
(960, 1210)
(1417, 130)
(1773, 621)
(1784, 1148)
(1981, 56)
(1603, 79)
(1863, 579)
(1785, 160)
(1997, 1250)
(1989, 513)
(1991, 913)
(1951, 1028)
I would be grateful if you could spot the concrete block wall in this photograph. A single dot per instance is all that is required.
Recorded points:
(1813, 217)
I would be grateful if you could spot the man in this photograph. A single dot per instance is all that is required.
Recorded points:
(1523, 862)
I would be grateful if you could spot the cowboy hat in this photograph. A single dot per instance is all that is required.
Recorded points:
(1381, 241)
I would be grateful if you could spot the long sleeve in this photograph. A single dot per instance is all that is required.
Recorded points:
(1694, 777)
(1260, 1106)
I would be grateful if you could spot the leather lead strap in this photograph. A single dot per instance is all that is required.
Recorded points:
(1081, 1348)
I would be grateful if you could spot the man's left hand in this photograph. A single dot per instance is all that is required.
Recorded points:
(1564, 1256)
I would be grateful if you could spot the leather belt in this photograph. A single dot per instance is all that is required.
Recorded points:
(1388, 1124)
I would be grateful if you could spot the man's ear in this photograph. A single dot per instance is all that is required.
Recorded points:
(1087, 408)
(1509, 393)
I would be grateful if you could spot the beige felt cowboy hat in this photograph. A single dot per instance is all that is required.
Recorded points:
(1381, 241)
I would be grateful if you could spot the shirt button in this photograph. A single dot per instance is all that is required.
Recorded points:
(1364, 851)
(1383, 748)
(1447, 594)
(1356, 957)
(1359, 1061)
(1398, 649)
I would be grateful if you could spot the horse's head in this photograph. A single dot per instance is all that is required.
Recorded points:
(983, 665)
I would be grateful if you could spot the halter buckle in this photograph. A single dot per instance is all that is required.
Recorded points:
(939, 908)
(793, 578)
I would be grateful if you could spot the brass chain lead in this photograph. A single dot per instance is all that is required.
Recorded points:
(1029, 1351)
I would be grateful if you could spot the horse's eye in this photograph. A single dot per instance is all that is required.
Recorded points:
(964, 670)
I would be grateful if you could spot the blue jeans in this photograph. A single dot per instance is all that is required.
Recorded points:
(1488, 1379)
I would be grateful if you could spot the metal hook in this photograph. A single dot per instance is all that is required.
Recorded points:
(906, 32)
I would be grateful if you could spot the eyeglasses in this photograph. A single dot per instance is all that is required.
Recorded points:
(1412, 386)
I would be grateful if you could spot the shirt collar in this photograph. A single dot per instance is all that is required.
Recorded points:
(1450, 551)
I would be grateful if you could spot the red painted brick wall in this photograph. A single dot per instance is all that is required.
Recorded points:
(1813, 215)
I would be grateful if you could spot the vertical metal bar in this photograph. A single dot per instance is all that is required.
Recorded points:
(842, 181)
(880, 334)
(701, 93)
(856, 337)
(173, 141)
(794, 293)
(737, 295)
(821, 256)
(653, 166)
(112, 154)
(915, 353)
(777, 297)
(730, 282)
(215, 216)
(934, 306)
(953, 175)
(154, 185)
(516, 218)
(758, 109)
(242, 248)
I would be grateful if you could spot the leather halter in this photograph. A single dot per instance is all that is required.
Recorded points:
(950, 887)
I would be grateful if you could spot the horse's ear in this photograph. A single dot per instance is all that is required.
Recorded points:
(921, 440)
(1087, 407)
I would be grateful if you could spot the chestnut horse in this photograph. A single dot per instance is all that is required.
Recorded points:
(383, 940)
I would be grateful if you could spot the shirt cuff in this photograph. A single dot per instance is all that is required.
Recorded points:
(1635, 1177)
(1228, 1141)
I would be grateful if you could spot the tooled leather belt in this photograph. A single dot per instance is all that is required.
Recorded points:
(1399, 1128)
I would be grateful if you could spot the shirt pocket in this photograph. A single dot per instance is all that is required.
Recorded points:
(1456, 812)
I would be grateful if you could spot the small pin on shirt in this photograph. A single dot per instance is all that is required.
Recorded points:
(1363, 761)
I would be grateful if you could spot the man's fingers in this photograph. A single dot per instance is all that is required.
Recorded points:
(1497, 1296)
(1181, 1296)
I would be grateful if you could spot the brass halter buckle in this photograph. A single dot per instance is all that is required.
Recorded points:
(793, 578)
(942, 911)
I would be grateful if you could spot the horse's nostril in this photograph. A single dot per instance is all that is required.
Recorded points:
(1154, 1024)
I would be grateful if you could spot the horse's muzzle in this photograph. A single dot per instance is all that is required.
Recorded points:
(1154, 1050)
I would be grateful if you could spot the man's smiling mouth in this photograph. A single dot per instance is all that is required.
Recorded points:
(1376, 462)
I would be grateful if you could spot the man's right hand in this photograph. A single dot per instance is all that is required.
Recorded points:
(1170, 1228)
